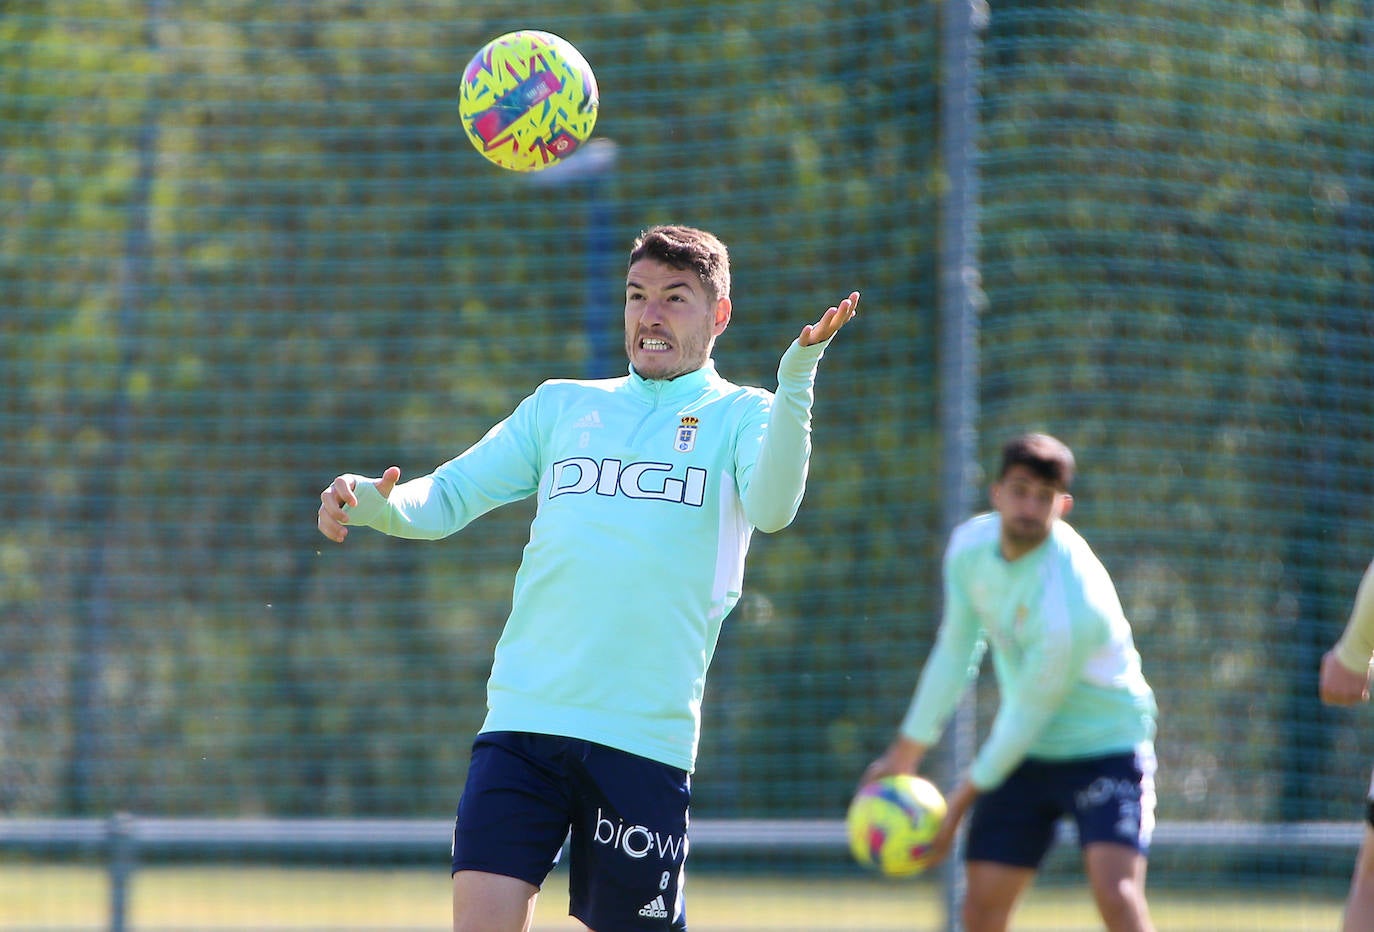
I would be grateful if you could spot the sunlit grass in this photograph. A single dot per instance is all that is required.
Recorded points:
(219, 899)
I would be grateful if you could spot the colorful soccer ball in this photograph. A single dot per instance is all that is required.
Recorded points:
(528, 100)
(892, 822)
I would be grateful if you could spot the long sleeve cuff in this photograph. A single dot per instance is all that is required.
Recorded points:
(371, 503)
(797, 368)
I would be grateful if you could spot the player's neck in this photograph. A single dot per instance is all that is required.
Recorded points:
(1013, 550)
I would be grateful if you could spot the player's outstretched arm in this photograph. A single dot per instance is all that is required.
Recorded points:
(1345, 669)
(332, 517)
(831, 321)
(1339, 685)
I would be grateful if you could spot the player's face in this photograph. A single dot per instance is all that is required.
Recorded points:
(671, 322)
(1029, 506)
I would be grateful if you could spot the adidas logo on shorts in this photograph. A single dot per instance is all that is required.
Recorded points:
(656, 909)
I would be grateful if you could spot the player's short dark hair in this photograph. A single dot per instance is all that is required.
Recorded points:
(687, 248)
(1045, 456)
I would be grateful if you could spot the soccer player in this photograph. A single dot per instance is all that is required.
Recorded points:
(1074, 729)
(1344, 680)
(649, 487)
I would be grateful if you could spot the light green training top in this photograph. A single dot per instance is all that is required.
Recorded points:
(1064, 658)
(1356, 646)
(648, 494)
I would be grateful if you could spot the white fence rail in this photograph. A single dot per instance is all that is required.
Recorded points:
(121, 838)
(425, 834)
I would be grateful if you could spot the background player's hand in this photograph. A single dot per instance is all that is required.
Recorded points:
(902, 756)
(958, 804)
(340, 493)
(1340, 685)
(831, 321)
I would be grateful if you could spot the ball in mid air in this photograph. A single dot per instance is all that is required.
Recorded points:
(528, 100)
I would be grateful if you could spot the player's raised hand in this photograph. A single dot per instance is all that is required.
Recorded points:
(831, 321)
(340, 493)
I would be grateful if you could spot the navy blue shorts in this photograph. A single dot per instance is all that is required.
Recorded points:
(1111, 799)
(624, 817)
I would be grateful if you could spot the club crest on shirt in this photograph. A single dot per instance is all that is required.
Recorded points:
(686, 439)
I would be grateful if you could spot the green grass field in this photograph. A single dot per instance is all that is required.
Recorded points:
(220, 899)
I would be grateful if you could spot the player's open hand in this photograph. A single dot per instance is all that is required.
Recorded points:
(831, 321)
(340, 493)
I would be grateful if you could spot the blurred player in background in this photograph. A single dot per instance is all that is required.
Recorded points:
(1075, 724)
(1345, 681)
(649, 488)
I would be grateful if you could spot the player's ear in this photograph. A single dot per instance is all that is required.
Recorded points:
(722, 316)
(1065, 504)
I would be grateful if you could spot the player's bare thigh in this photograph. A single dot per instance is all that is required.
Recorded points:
(485, 902)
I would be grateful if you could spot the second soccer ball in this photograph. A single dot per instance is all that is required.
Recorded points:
(891, 823)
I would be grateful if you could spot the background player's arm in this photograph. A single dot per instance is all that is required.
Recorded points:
(1056, 650)
(1026, 705)
(948, 670)
(1345, 668)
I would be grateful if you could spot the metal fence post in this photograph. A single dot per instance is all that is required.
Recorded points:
(961, 298)
(123, 860)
